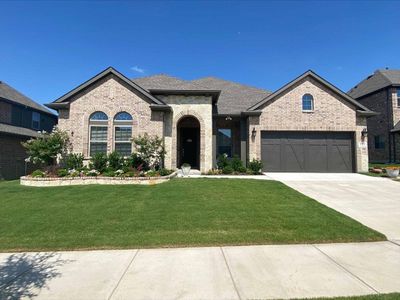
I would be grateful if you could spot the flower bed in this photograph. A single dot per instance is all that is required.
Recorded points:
(63, 181)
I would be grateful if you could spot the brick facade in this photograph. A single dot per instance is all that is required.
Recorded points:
(111, 96)
(331, 113)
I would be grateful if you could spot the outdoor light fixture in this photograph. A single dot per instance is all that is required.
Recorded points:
(364, 133)
(228, 118)
(253, 132)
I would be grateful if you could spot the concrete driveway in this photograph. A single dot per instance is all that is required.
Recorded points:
(375, 202)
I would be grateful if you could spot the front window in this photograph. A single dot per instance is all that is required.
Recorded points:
(35, 120)
(98, 133)
(379, 142)
(398, 97)
(224, 142)
(123, 133)
(308, 102)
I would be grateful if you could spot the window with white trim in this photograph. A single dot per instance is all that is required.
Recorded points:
(98, 128)
(123, 133)
(35, 120)
(307, 102)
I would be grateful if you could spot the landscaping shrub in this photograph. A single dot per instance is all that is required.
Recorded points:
(222, 161)
(115, 160)
(241, 170)
(38, 173)
(98, 162)
(108, 173)
(227, 170)
(92, 173)
(150, 149)
(165, 172)
(74, 161)
(136, 162)
(255, 166)
(152, 173)
(62, 172)
(236, 164)
(48, 147)
(73, 173)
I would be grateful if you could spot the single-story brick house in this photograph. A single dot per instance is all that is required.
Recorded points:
(308, 125)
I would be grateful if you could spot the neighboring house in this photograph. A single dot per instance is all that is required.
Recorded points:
(380, 92)
(20, 119)
(307, 125)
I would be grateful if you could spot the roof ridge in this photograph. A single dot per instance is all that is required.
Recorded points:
(381, 72)
(33, 103)
(234, 82)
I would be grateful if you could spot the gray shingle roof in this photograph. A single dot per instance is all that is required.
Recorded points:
(234, 97)
(11, 94)
(374, 82)
(5, 128)
(165, 82)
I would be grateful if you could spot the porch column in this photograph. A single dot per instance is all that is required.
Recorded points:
(243, 141)
(214, 143)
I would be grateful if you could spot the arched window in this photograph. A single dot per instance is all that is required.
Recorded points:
(308, 102)
(123, 133)
(98, 133)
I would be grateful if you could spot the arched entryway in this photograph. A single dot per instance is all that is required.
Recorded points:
(188, 142)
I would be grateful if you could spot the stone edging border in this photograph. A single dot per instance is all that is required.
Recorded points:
(64, 181)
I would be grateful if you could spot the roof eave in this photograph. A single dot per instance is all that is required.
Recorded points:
(160, 107)
(251, 113)
(367, 113)
(213, 93)
(57, 106)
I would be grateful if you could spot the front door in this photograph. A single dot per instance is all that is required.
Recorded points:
(189, 139)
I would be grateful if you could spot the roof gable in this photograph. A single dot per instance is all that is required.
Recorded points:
(319, 79)
(60, 102)
(9, 93)
(377, 81)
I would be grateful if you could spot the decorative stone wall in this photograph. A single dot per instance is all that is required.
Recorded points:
(110, 95)
(331, 113)
(199, 107)
(65, 181)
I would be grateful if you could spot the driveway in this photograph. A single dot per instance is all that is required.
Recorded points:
(375, 202)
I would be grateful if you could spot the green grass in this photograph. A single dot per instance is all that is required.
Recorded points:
(181, 212)
(392, 296)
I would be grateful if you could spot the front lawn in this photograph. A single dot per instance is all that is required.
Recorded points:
(181, 212)
(392, 296)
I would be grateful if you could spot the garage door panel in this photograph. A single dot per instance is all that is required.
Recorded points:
(293, 159)
(307, 151)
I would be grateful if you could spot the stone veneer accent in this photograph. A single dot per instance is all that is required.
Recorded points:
(55, 181)
(111, 96)
(199, 107)
(331, 113)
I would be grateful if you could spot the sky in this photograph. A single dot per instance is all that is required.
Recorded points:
(48, 48)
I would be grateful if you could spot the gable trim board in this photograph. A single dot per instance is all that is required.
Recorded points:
(361, 109)
(172, 98)
(64, 99)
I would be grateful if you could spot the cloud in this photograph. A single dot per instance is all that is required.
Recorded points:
(137, 69)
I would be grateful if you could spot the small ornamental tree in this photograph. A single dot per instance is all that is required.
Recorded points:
(47, 148)
(150, 149)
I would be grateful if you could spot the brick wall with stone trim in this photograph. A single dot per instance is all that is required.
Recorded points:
(396, 119)
(111, 96)
(331, 113)
(199, 107)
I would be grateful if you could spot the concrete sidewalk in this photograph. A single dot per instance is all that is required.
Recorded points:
(242, 272)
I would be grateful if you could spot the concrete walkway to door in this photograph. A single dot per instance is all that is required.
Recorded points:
(373, 201)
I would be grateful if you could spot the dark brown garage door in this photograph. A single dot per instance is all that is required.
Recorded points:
(285, 151)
